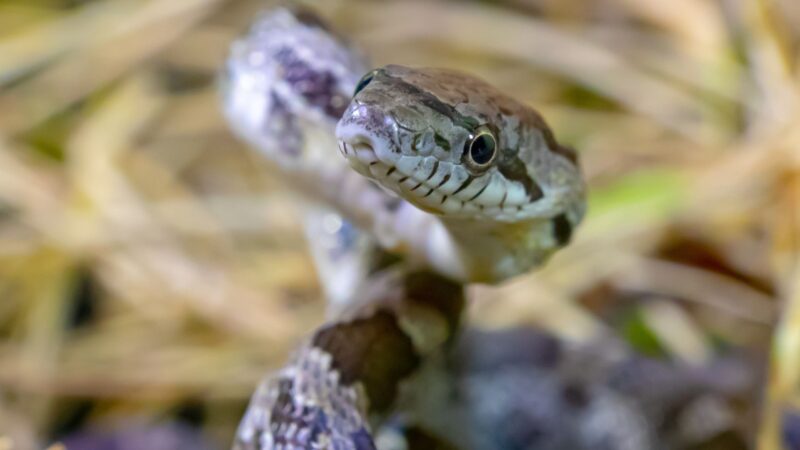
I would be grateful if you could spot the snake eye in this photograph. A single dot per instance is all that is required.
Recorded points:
(364, 81)
(481, 149)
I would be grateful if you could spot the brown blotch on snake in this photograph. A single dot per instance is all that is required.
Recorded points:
(437, 292)
(372, 350)
(562, 229)
(375, 351)
(515, 170)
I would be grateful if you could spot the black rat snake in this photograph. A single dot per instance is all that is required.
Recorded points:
(473, 188)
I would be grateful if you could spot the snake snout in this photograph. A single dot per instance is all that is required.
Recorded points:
(357, 147)
(369, 129)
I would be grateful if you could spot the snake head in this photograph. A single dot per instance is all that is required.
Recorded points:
(455, 146)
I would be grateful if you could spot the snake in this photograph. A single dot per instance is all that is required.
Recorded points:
(414, 183)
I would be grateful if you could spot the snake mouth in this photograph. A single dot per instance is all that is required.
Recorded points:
(360, 148)
(364, 157)
(428, 183)
(360, 153)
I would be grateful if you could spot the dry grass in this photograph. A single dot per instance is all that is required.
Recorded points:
(148, 261)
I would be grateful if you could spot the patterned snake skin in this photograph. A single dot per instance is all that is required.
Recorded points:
(353, 368)
(473, 187)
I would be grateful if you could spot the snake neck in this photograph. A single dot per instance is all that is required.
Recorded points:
(492, 251)
(460, 249)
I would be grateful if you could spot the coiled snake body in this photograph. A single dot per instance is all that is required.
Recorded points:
(473, 188)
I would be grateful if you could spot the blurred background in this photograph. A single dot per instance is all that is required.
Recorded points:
(152, 269)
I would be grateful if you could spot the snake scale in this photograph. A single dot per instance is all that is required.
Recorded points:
(460, 183)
